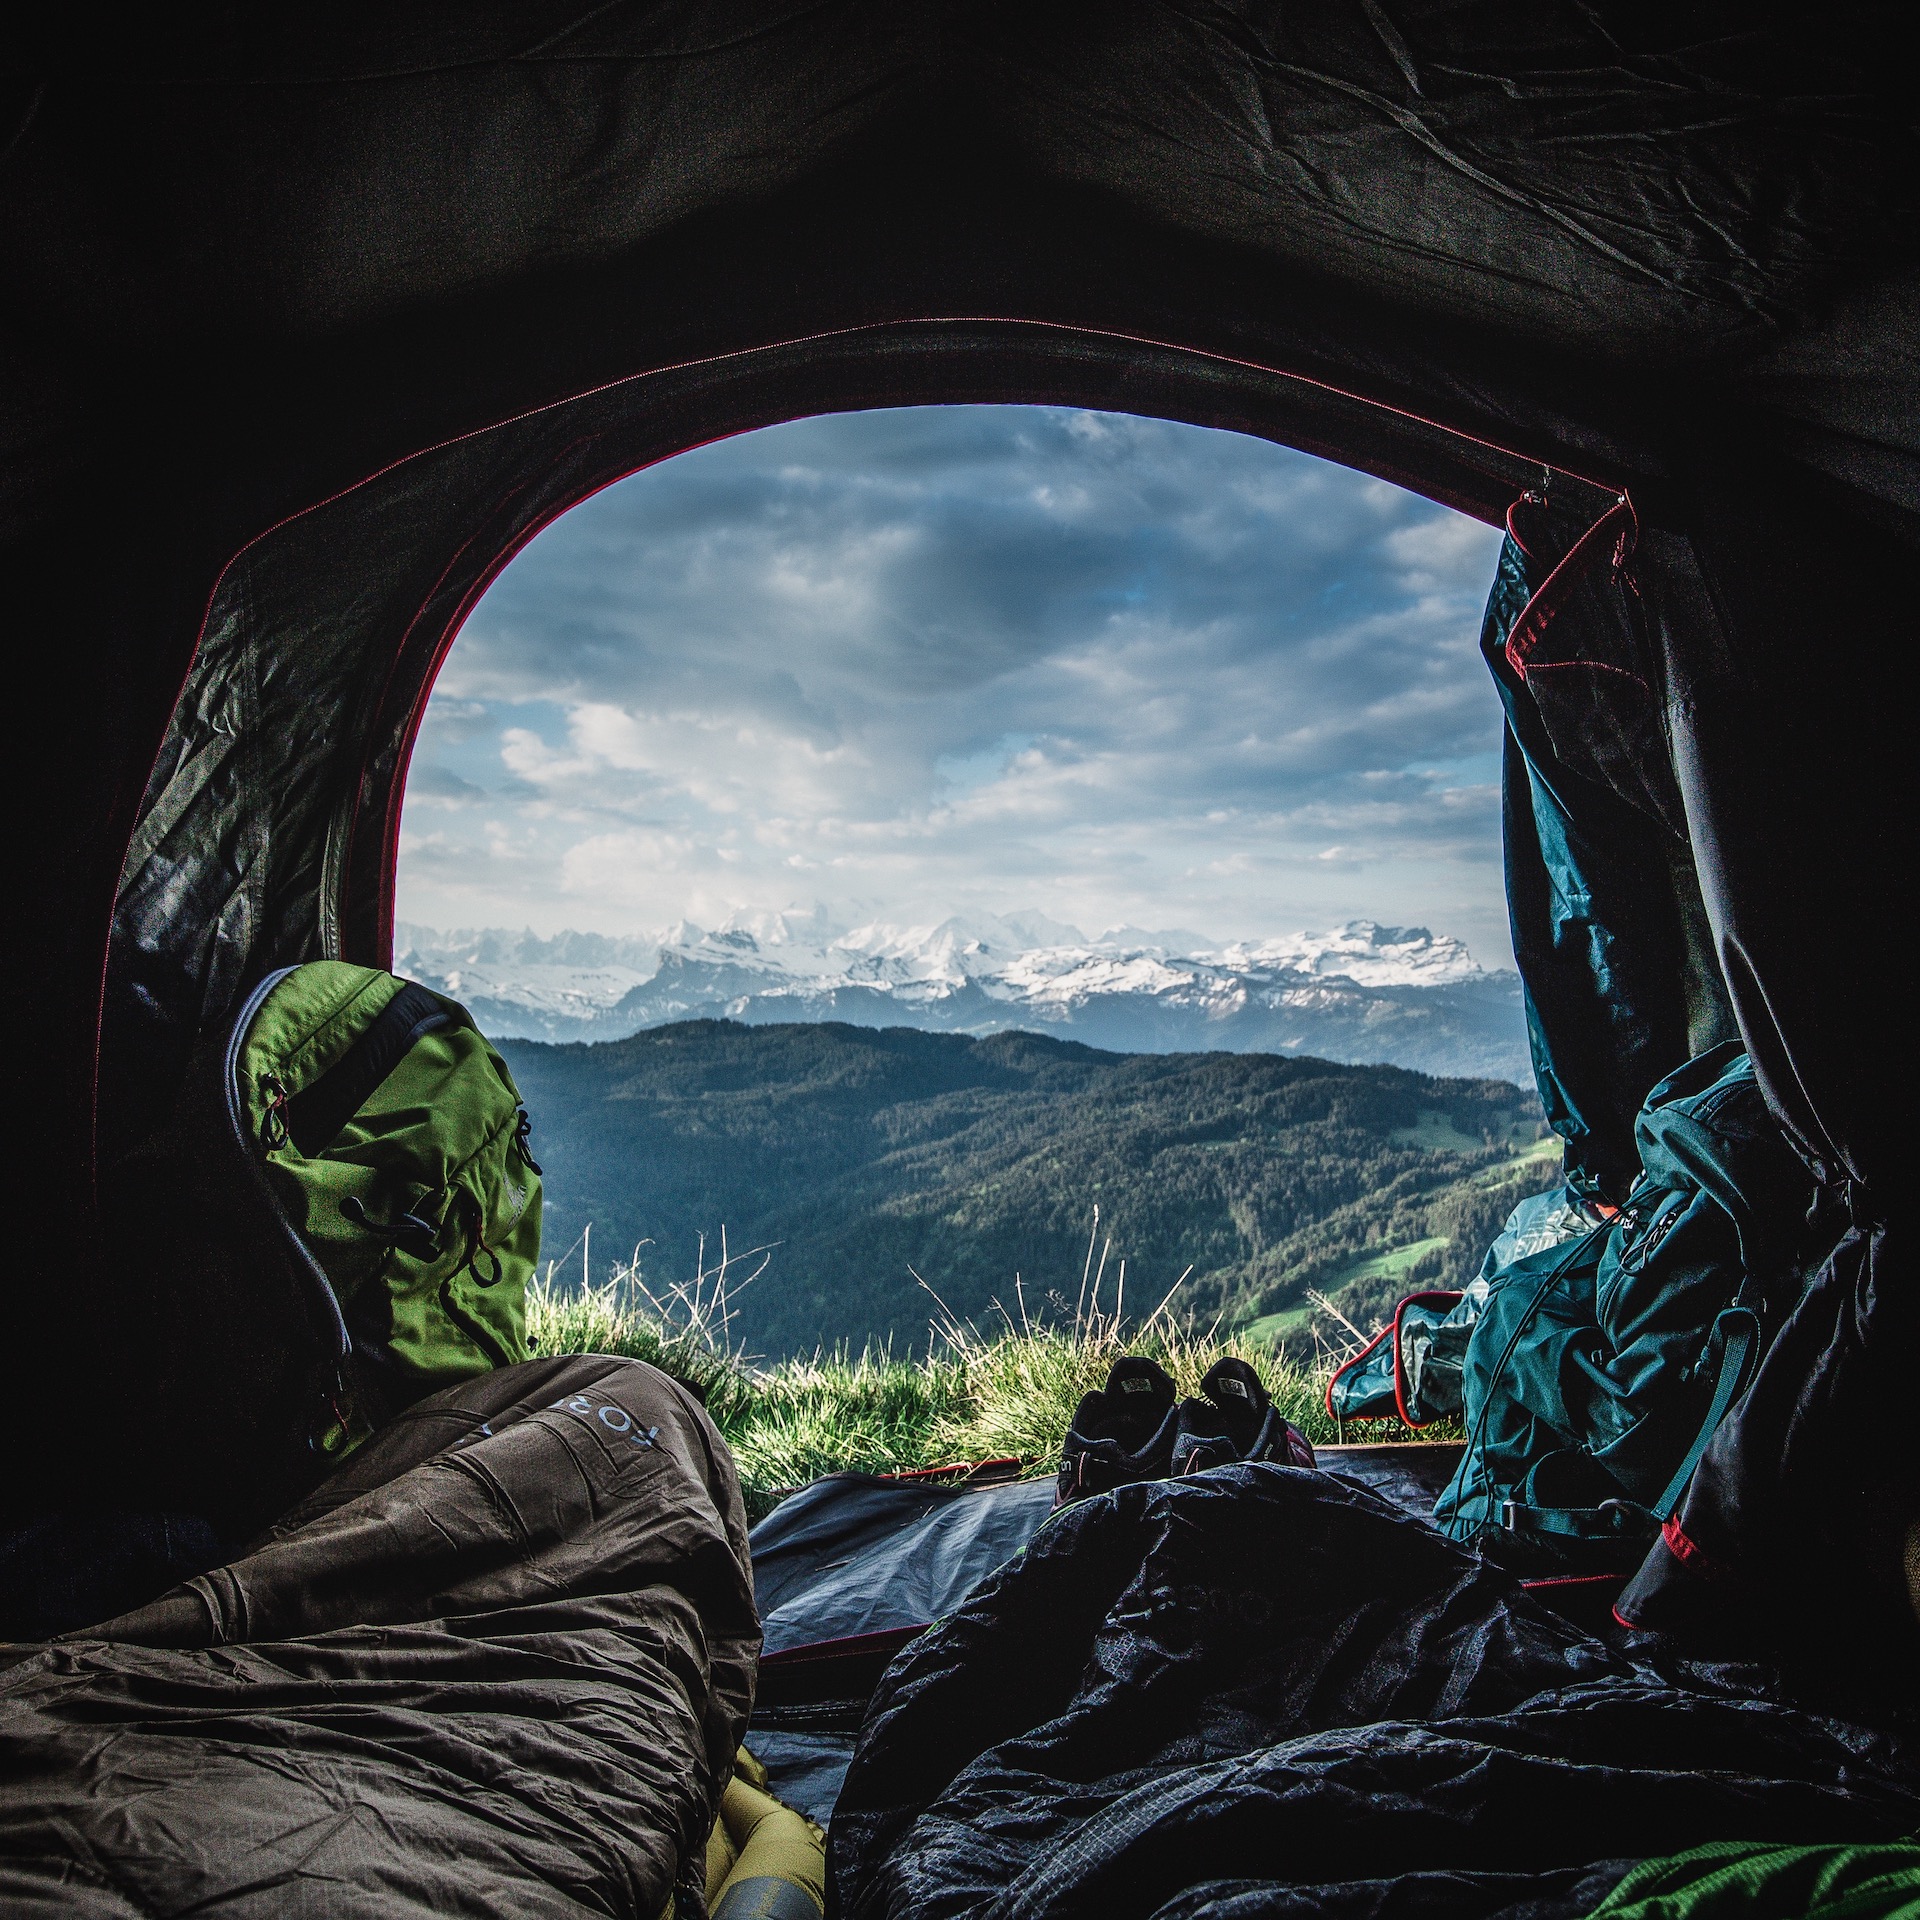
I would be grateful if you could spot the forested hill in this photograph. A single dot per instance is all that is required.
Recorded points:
(865, 1152)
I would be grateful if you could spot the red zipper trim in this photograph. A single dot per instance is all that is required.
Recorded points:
(1346, 1367)
(1452, 1299)
(1621, 525)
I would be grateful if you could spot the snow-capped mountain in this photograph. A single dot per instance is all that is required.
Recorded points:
(1364, 992)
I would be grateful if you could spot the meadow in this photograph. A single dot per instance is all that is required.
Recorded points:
(972, 1393)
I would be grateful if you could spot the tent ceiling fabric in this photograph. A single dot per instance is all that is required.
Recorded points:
(1618, 190)
(314, 313)
(1647, 184)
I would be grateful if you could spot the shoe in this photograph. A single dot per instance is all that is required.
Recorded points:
(1120, 1434)
(1236, 1420)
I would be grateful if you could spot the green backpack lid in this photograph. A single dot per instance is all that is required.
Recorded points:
(393, 1144)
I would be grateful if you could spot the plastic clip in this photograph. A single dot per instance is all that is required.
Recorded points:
(412, 1235)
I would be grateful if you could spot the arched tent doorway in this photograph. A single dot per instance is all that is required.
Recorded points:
(323, 637)
(373, 300)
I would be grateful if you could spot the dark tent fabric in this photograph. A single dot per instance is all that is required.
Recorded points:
(845, 1572)
(313, 317)
(1263, 1692)
(499, 1663)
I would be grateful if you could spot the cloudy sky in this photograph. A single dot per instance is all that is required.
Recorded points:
(912, 663)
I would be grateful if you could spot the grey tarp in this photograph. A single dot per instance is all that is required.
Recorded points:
(497, 1664)
(857, 1554)
(846, 1571)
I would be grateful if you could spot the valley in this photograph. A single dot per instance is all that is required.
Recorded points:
(866, 1156)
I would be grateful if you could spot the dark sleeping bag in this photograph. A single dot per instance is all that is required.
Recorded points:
(849, 1569)
(497, 1664)
(1263, 1692)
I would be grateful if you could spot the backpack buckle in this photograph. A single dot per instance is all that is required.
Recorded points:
(412, 1235)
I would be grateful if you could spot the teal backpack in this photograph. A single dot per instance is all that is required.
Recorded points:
(1412, 1369)
(1598, 1368)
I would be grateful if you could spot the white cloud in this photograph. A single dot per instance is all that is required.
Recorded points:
(916, 661)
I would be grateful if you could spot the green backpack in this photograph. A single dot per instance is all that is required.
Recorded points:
(389, 1141)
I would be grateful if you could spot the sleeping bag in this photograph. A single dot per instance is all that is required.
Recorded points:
(1264, 1692)
(498, 1663)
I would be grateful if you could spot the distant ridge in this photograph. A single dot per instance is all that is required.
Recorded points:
(866, 1157)
(1367, 993)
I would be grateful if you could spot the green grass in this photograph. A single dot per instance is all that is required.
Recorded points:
(974, 1396)
(1272, 1328)
(1390, 1264)
(1437, 1133)
(1549, 1148)
(1426, 1242)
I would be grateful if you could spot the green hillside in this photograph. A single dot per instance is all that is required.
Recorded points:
(867, 1153)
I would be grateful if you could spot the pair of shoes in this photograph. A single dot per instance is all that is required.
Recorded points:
(1132, 1430)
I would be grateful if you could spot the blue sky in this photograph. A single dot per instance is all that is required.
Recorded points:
(919, 662)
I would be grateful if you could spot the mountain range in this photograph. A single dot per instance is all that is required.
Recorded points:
(1366, 993)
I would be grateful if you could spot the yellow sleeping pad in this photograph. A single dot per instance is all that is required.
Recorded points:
(764, 1861)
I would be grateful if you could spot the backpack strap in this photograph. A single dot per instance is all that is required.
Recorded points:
(315, 1115)
(330, 1323)
(1736, 1332)
(1610, 1520)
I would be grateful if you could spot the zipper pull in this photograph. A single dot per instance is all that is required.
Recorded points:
(273, 1123)
(479, 1248)
(522, 1132)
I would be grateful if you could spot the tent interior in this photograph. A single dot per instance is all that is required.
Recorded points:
(316, 316)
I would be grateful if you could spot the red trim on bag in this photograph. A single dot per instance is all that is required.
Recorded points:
(1392, 1330)
(1577, 1596)
(1453, 1299)
(1347, 1366)
(1623, 525)
(1008, 1463)
(1690, 1553)
(1528, 499)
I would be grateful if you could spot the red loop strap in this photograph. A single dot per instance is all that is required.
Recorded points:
(1691, 1555)
(1617, 530)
